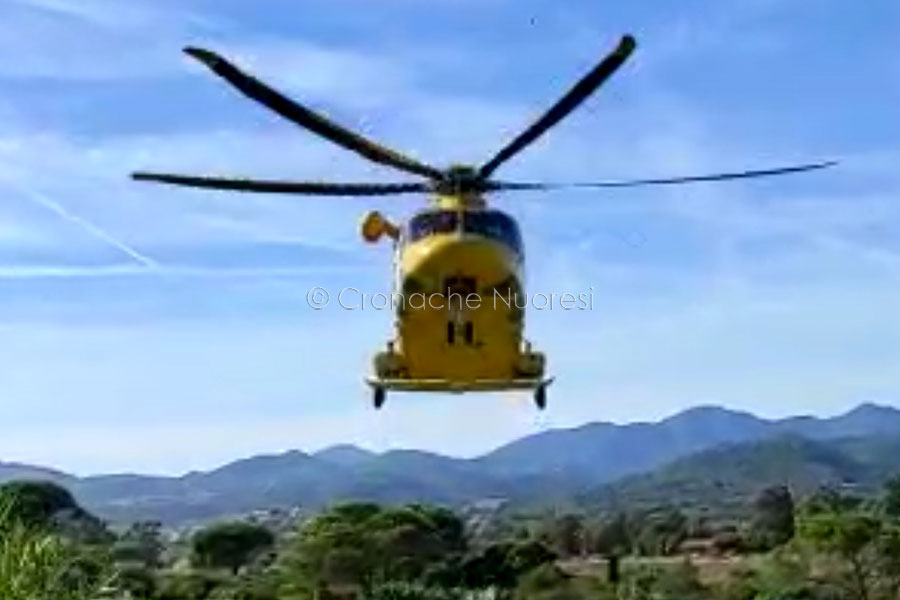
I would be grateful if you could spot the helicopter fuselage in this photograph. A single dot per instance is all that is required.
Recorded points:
(460, 321)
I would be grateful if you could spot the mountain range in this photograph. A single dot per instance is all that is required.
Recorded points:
(700, 454)
(721, 480)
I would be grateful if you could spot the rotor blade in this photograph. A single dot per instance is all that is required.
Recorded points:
(306, 118)
(578, 94)
(310, 188)
(502, 185)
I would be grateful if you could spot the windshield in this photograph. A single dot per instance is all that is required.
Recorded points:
(423, 224)
(495, 225)
(491, 224)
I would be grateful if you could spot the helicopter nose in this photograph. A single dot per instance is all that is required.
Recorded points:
(461, 263)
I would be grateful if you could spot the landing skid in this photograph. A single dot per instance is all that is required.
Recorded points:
(380, 387)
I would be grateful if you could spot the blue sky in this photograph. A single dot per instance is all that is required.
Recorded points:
(152, 329)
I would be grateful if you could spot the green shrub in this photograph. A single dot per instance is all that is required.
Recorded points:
(37, 565)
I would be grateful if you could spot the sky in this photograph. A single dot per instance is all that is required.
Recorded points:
(150, 329)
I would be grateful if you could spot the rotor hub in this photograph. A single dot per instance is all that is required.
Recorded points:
(460, 180)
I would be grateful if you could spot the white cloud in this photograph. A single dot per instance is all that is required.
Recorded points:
(89, 41)
(134, 14)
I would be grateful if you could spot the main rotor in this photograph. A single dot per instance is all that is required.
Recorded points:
(465, 183)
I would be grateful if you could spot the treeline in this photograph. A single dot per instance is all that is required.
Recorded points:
(51, 549)
(830, 545)
(666, 530)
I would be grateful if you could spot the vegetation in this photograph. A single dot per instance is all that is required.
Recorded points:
(773, 518)
(35, 562)
(785, 544)
(230, 545)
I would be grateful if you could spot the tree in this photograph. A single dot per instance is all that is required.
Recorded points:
(230, 545)
(864, 537)
(890, 499)
(773, 518)
(612, 536)
(525, 556)
(360, 545)
(35, 503)
(47, 506)
(661, 531)
(501, 565)
(851, 536)
(141, 544)
(565, 534)
(888, 560)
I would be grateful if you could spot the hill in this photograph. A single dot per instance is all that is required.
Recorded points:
(723, 478)
(601, 452)
(555, 465)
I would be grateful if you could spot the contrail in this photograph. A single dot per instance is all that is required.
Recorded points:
(42, 200)
(122, 271)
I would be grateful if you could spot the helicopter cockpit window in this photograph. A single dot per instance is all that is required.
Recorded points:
(424, 224)
(495, 225)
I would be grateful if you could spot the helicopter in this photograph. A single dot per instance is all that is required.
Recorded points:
(455, 249)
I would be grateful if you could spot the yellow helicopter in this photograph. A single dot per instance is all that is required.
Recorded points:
(459, 262)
